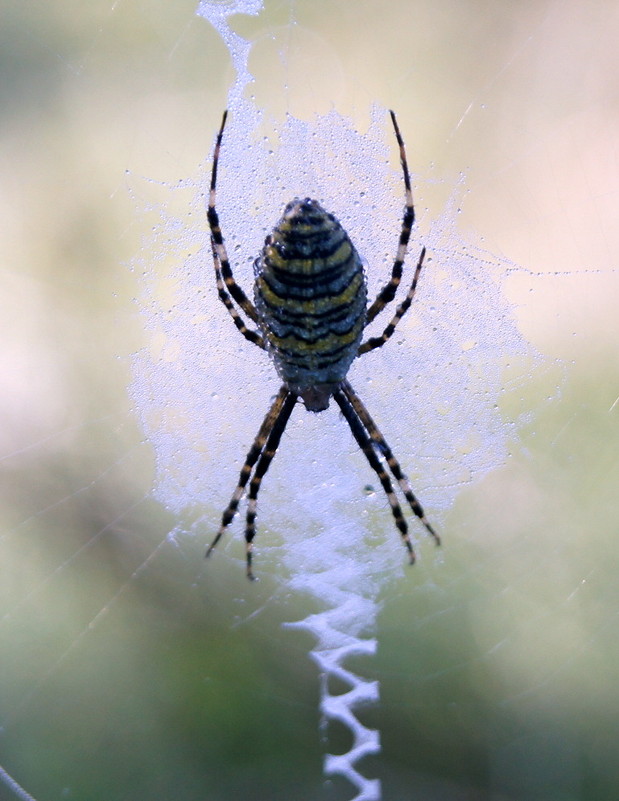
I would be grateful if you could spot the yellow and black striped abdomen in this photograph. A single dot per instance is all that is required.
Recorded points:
(311, 299)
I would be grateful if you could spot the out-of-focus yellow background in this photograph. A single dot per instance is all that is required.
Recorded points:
(123, 674)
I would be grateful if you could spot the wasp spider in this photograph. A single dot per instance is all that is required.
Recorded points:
(310, 311)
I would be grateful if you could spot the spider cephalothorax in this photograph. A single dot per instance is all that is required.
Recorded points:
(310, 311)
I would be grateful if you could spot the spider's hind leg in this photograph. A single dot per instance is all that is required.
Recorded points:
(365, 443)
(266, 458)
(381, 445)
(253, 455)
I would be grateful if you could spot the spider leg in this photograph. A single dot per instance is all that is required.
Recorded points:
(387, 293)
(381, 445)
(252, 457)
(213, 220)
(252, 336)
(365, 443)
(377, 342)
(266, 458)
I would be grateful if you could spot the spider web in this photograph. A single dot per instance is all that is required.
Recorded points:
(129, 667)
(463, 288)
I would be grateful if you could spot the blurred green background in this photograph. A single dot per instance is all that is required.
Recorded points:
(123, 673)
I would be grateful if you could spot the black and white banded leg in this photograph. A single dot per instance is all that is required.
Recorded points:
(266, 457)
(377, 342)
(218, 241)
(365, 443)
(254, 453)
(224, 297)
(383, 448)
(387, 293)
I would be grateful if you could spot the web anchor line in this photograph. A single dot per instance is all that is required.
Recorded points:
(17, 790)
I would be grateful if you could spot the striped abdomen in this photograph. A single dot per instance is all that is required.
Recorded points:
(311, 298)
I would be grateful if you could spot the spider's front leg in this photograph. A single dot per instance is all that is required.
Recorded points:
(252, 336)
(222, 262)
(377, 342)
(387, 293)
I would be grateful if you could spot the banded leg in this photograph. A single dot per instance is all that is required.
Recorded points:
(213, 220)
(381, 445)
(377, 342)
(252, 457)
(252, 336)
(266, 457)
(365, 443)
(387, 293)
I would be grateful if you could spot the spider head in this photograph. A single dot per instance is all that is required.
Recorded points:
(316, 398)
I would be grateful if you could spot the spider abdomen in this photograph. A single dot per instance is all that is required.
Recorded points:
(311, 296)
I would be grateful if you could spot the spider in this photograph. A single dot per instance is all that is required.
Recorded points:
(310, 311)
